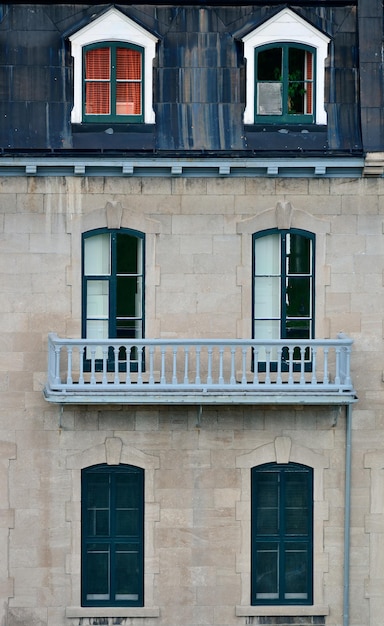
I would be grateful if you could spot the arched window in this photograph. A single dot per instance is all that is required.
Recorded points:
(113, 83)
(282, 534)
(283, 284)
(112, 523)
(285, 83)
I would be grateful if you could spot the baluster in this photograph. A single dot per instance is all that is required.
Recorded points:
(128, 380)
(221, 361)
(325, 375)
(186, 359)
(244, 365)
(140, 365)
(302, 365)
(105, 366)
(57, 365)
(209, 371)
(314, 366)
(116, 368)
(162, 373)
(347, 366)
(255, 366)
(197, 373)
(93, 358)
(81, 364)
(267, 366)
(233, 371)
(174, 366)
(69, 365)
(151, 365)
(337, 365)
(279, 379)
(290, 365)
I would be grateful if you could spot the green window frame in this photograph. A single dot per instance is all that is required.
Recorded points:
(285, 83)
(283, 285)
(112, 536)
(113, 83)
(282, 534)
(113, 286)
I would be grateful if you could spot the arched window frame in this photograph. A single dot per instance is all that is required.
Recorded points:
(277, 537)
(114, 115)
(284, 87)
(286, 26)
(113, 26)
(103, 539)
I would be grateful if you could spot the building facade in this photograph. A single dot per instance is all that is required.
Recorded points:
(191, 219)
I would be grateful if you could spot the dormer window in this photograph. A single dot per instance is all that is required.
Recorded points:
(113, 71)
(285, 72)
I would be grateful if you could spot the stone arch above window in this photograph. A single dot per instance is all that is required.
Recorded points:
(287, 29)
(113, 26)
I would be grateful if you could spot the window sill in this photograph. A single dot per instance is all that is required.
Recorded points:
(296, 611)
(115, 611)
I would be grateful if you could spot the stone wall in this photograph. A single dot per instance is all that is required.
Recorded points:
(198, 283)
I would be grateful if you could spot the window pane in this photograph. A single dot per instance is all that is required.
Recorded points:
(267, 255)
(128, 99)
(128, 296)
(129, 329)
(97, 299)
(97, 257)
(298, 254)
(127, 572)
(267, 504)
(296, 571)
(98, 505)
(269, 64)
(269, 98)
(298, 296)
(128, 64)
(127, 500)
(267, 297)
(128, 254)
(97, 99)
(97, 64)
(267, 567)
(296, 504)
(97, 572)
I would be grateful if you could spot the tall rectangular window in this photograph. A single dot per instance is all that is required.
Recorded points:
(113, 286)
(112, 525)
(283, 284)
(282, 534)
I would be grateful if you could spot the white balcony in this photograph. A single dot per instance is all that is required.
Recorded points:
(199, 371)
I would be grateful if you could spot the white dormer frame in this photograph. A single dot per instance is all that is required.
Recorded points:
(113, 26)
(285, 27)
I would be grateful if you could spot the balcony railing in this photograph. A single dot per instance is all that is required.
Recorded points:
(199, 371)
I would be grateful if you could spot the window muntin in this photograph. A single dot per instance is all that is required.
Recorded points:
(284, 83)
(113, 82)
(112, 535)
(282, 534)
(113, 285)
(283, 284)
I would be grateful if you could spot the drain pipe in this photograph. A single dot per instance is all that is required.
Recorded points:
(347, 517)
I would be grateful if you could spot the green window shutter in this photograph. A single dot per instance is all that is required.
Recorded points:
(112, 536)
(282, 534)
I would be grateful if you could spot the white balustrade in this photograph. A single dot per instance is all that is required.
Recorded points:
(237, 368)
